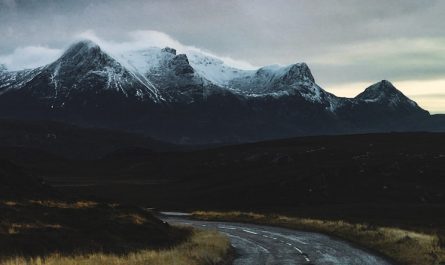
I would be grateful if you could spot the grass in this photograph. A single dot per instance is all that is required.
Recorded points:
(59, 232)
(204, 247)
(402, 246)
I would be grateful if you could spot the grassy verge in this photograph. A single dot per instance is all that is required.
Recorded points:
(204, 247)
(37, 232)
(402, 246)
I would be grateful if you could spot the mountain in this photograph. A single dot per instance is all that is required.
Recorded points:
(382, 106)
(196, 98)
(386, 95)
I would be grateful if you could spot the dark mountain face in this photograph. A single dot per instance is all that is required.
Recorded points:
(385, 93)
(85, 85)
(170, 97)
(381, 107)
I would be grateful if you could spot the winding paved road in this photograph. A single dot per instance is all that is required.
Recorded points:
(266, 245)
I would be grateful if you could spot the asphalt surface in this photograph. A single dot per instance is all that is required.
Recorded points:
(266, 245)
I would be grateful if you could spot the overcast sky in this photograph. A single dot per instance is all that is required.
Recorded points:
(348, 44)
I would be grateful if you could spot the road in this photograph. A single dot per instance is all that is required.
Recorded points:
(266, 245)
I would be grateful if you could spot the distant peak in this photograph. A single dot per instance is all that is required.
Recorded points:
(169, 50)
(383, 86)
(288, 74)
(83, 50)
(299, 71)
(383, 91)
(3, 68)
(84, 44)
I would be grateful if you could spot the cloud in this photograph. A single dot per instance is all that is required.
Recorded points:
(8, 4)
(394, 59)
(344, 42)
(136, 40)
(143, 39)
(35, 56)
(29, 57)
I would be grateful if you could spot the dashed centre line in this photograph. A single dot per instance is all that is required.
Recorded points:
(267, 236)
(227, 227)
(299, 250)
(282, 241)
(250, 232)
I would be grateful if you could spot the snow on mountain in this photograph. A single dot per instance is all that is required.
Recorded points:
(145, 61)
(384, 92)
(206, 66)
(161, 74)
(16, 79)
(88, 60)
(85, 66)
(170, 72)
(273, 80)
(194, 97)
(214, 69)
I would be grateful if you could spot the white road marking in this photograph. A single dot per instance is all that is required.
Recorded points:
(278, 237)
(289, 244)
(299, 250)
(293, 238)
(306, 257)
(250, 232)
(299, 241)
(227, 227)
(250, 242)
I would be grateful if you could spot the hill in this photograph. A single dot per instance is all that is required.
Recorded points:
(195, 98)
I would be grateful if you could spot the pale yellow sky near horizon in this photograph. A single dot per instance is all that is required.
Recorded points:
(429, 94)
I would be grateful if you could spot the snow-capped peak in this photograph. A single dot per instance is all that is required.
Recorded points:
(85, 65)
(384, 92)
(298, 72)
(169, 50)
(214, 69)
(146, 60)
(82, 49)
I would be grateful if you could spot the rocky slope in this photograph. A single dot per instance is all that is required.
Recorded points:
(195, 98)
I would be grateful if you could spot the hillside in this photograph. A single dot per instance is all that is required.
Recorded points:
(69, 141)
(195, 98)
(358, 175)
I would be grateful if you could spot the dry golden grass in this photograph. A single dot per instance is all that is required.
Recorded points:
(39, 228)
(403, 246)
(65, 205)
(54, 204)
(204, 247)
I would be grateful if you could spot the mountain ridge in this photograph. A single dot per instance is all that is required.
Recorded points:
(194, 97)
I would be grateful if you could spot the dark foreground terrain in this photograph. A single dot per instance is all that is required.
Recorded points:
(37, 220)
(395, 178)
(61, 181)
